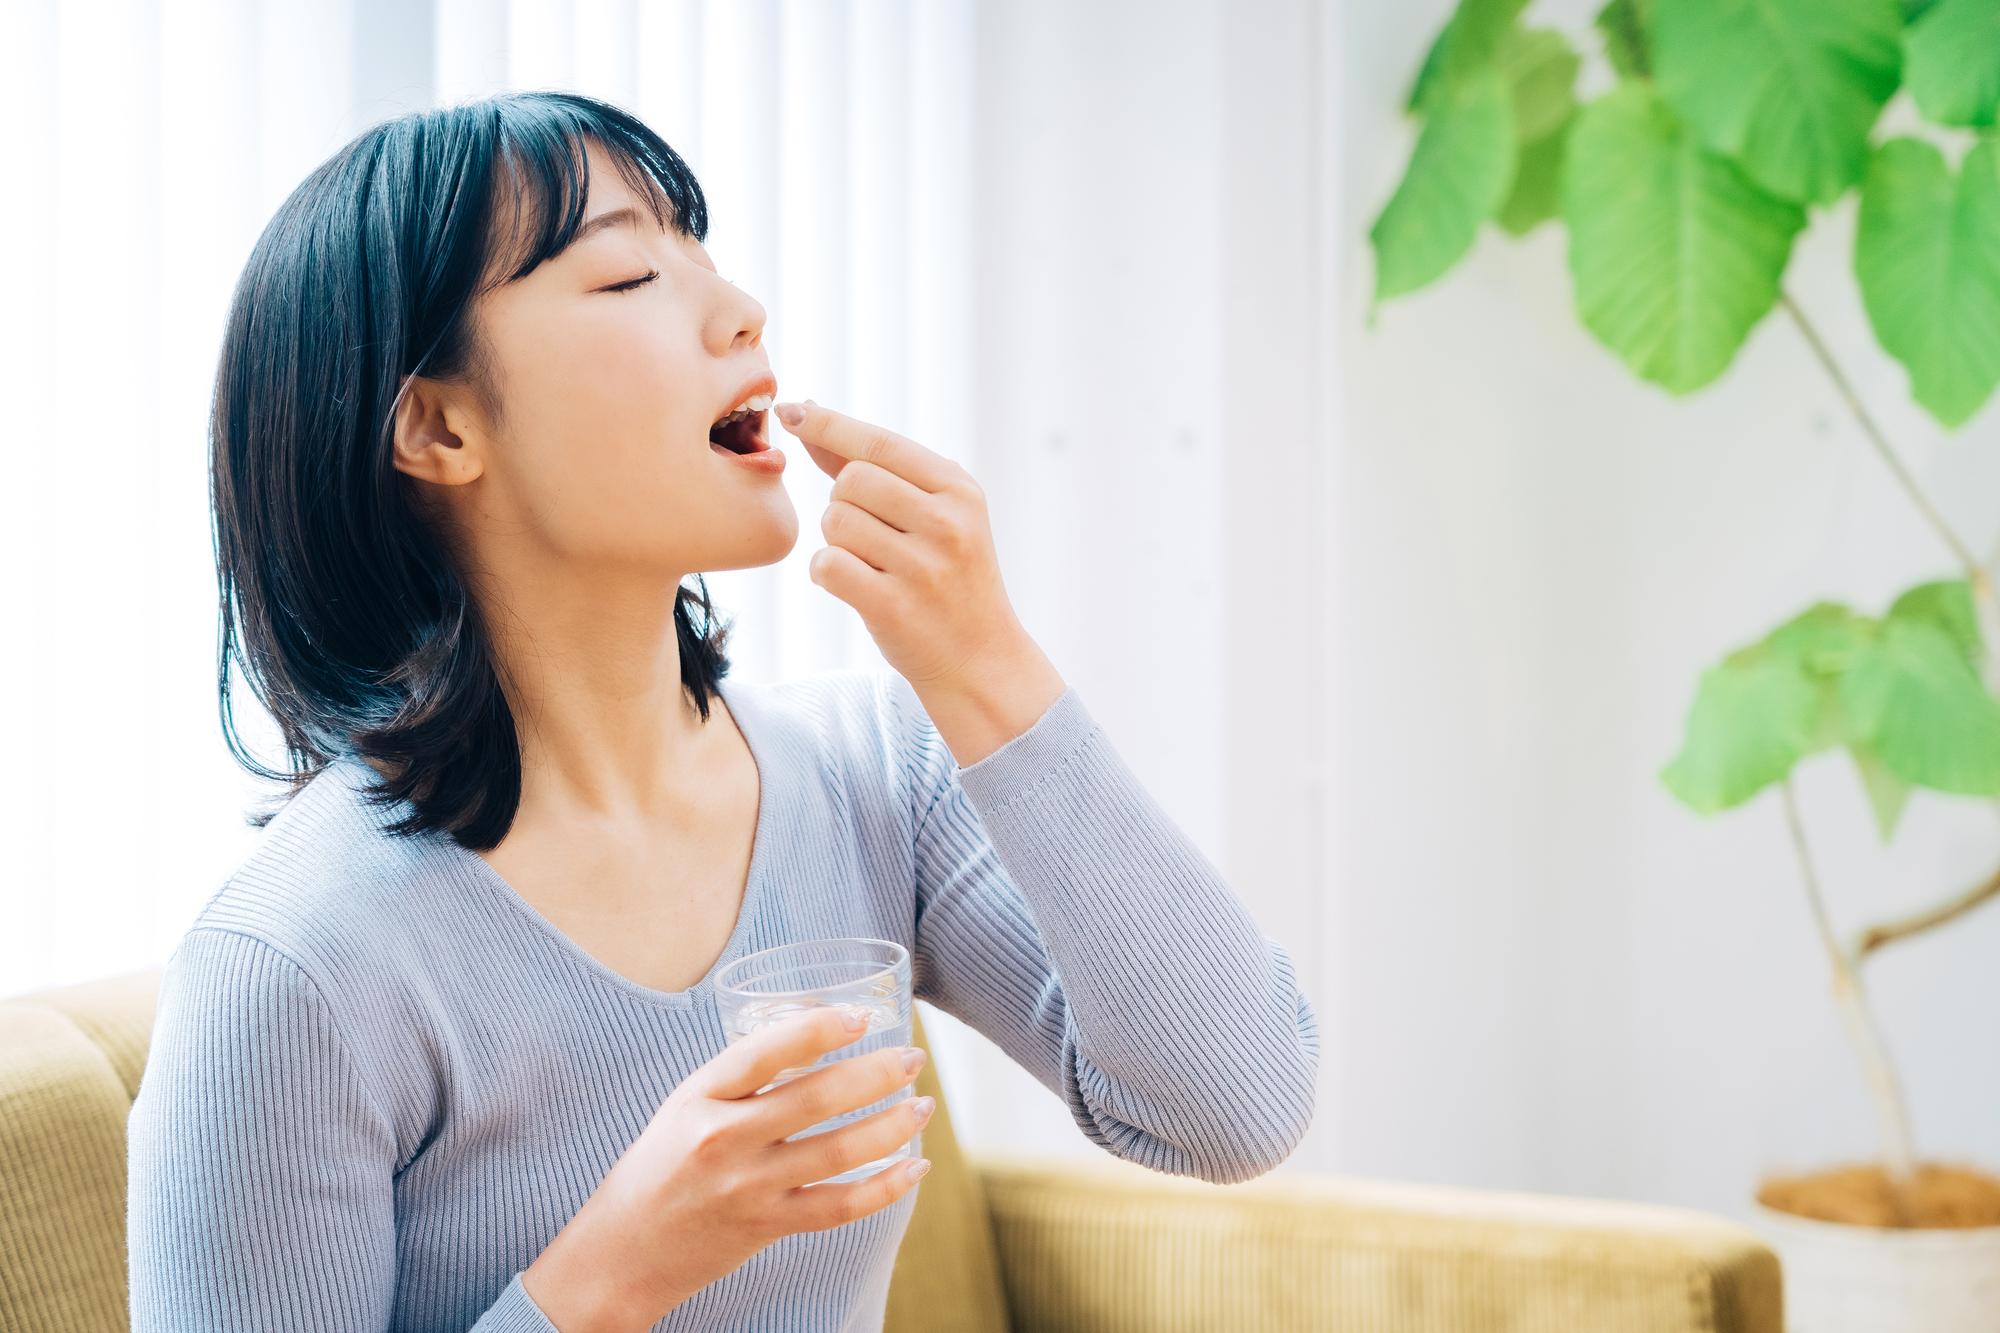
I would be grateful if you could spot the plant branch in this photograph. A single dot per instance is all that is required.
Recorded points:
(1810, 875)
(1873, 938)
(1963, 553)
(1985, 606)
(1899, 1155)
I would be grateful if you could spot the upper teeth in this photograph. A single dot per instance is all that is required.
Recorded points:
(761, 403)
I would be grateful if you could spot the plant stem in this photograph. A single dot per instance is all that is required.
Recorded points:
(1985, 606)
(1873, 938)
(1899, 1154)
(1963, 553)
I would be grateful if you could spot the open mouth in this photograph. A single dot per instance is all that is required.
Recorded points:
(741, 430)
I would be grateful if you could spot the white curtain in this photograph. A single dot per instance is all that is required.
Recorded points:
(147, 145)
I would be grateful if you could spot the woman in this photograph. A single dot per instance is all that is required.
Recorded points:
(443, 1053)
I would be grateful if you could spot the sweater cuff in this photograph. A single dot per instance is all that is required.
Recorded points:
(1014, 768)
(514, 1312)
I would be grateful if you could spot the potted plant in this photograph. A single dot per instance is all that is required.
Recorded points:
(1682, 190)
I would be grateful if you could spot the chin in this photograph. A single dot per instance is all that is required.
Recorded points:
(767, 536)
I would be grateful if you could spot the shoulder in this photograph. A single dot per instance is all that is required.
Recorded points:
(330, 889)
(344, 940)
(856, 721)
(863, 735)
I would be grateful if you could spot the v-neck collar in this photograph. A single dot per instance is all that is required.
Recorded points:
(486, 875)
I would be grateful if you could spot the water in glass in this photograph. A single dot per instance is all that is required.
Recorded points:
(772, 985)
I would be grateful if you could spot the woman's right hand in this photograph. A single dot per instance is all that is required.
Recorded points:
(712, 1179)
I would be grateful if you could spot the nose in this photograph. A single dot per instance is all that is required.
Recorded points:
(737, 320)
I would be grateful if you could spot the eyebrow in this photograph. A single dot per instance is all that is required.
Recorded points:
(617, 217)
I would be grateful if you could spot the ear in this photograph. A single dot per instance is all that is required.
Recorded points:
(435, 441)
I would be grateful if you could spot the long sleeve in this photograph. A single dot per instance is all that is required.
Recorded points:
(261, 1165)
(1063, 914)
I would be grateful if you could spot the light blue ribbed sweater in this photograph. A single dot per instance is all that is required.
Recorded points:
(380, 1083)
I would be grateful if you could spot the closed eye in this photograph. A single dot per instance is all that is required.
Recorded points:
(631, 285)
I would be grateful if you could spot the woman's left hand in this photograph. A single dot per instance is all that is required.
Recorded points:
(910, 548)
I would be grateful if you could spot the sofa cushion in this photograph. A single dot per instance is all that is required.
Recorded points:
(1106, 1248)
(116, 1014)
(62, 1176)
(947, 1277)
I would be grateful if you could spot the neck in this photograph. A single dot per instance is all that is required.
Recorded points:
(592, 671)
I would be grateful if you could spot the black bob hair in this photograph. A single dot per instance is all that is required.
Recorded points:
(341, 608)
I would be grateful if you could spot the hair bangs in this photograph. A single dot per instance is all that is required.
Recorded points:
(543, 172)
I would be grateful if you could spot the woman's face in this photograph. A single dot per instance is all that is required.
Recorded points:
(606, 370)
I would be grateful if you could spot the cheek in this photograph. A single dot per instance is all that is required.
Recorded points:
(603, 415)
(608, 378)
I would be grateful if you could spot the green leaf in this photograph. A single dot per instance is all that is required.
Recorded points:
(1675, 254)
(1536, 195)
(1887, 793)
(1823, 640)
(1540, 67)
(1915, 700)
(1487, 87)
(1465, 50)
(1902, 694)
(1927, 255)
(1626, 26)
(1456, 179)
(1952, 57)
(1946, 604)
(1789, 88)
(1768, 706)
(1753, 718)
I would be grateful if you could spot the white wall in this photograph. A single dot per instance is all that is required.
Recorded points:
(1551, 975)
(1407, 623)
(1154, 383)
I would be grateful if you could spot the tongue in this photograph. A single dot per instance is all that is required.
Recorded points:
(738, 435)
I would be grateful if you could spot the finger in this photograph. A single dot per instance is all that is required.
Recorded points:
(830, 463)
(841, 1087)
(885, 495)
(788, 1043)
(854, 529)
(848, 577)
(848, 438)
(823, 1207)
(823, 1156)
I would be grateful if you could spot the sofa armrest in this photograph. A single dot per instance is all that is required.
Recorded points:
(1110, 1247)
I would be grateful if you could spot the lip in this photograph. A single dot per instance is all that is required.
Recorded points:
(767, 460)
(764, 382)
(762, 458)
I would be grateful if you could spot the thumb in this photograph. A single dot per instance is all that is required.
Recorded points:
(847, 576)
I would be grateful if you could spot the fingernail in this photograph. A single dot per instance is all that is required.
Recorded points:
(918, 1169)
(855, 1017)
(923, 1106)
(791, 413)
(913, 1059)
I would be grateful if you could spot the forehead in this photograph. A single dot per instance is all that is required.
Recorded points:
(609, 188)
(544, 206)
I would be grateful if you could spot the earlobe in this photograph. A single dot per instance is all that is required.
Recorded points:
(427, 445)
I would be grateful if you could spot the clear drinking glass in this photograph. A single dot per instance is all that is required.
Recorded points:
(773, 984)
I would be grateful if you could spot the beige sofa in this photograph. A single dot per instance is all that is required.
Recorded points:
(994, 1244)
